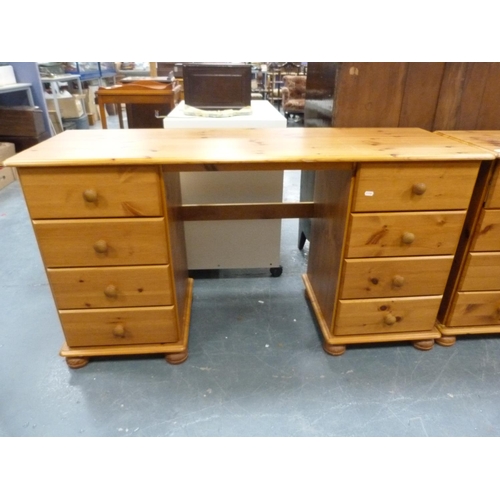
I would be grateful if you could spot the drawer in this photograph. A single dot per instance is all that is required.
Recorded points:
(395, 277)
(414, 186)
(493, 199)
(59, 193)
(404, 234)
(476, 309)
(99, 327)
(482, 272)
(487, 234)
(358, 317)
(102, 242)
(94, 287)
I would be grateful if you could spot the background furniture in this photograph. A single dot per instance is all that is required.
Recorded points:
(471, 304)
(153, 100)
(232, 244)
(293, 94)
(116, 208)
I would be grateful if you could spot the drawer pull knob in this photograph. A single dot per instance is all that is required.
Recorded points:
(100, 246)
(419, 188)
(90, 195)
(119, 331)
(390, 319)
(408, 238)
(111, 291)
(398, 281)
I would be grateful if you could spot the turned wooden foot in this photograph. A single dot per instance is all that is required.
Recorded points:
(446, 340)
(176, 358)
(424, 345)
(334, 350)
(77, 362)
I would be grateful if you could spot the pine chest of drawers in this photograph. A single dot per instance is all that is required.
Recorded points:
(385, 242)
(471, 304)
(103, 234)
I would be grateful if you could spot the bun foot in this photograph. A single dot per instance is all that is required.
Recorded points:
(75, 363)
(446, 340)
(424, 345)
(176, 358)
(334, 350)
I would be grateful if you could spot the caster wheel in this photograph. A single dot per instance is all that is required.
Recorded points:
(276, 271)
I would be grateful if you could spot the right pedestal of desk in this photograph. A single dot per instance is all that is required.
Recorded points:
(471, 303)
(383, 241)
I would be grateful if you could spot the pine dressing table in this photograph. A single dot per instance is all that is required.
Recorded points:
(388, 210)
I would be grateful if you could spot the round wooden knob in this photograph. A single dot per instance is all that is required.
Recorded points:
(100, 246)
(119, 331)
(398, 281)
(390, 319)
(419, 188)
(90, 195)
(111, 291)
(408, 237)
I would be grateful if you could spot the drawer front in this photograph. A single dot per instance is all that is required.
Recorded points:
(476, 309)
(102, 242)
(358, 317)
(493, 200)
(402, 234)
(90, 287)
(127, 326)
(395, 277)
(414, 186)
(482, 272)
(59, 193)
(487, 234)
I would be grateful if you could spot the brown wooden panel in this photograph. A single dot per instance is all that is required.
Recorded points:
(421, 93)
(450, 96)
(489, 110)
(332, 198)
(247, 211)
(398, 187)
(395, 277)
(70, 243)
(58, 193)
(360, 317)
(172, 199)
(119, 326)
(90, 287)
(476, 309)
(369, 94)
(382, 234)
(482, 272)
(487, 234)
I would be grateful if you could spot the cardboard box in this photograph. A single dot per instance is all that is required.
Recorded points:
(70, 107)
(7, 175)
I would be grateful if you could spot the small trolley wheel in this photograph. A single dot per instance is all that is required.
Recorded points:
(276, 271)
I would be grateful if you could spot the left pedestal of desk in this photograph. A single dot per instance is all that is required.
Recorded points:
(115, 258)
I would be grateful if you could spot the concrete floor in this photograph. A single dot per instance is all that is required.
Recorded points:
(255, 368)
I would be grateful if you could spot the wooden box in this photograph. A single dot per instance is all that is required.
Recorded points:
(21, 121)
(217, 86)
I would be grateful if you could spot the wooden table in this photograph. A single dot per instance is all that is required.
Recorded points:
(134, 93)
(388, 211)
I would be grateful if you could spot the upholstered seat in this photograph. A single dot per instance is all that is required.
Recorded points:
(293, 94)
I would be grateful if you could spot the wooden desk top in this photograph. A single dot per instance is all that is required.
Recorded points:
(227, 149)
(488, 139)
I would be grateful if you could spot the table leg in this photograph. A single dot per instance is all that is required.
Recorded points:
(102, 110)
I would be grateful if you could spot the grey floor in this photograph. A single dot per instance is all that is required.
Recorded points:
(255, 367)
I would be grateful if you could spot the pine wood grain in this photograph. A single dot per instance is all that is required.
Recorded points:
(229, 149)
(120, 192)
